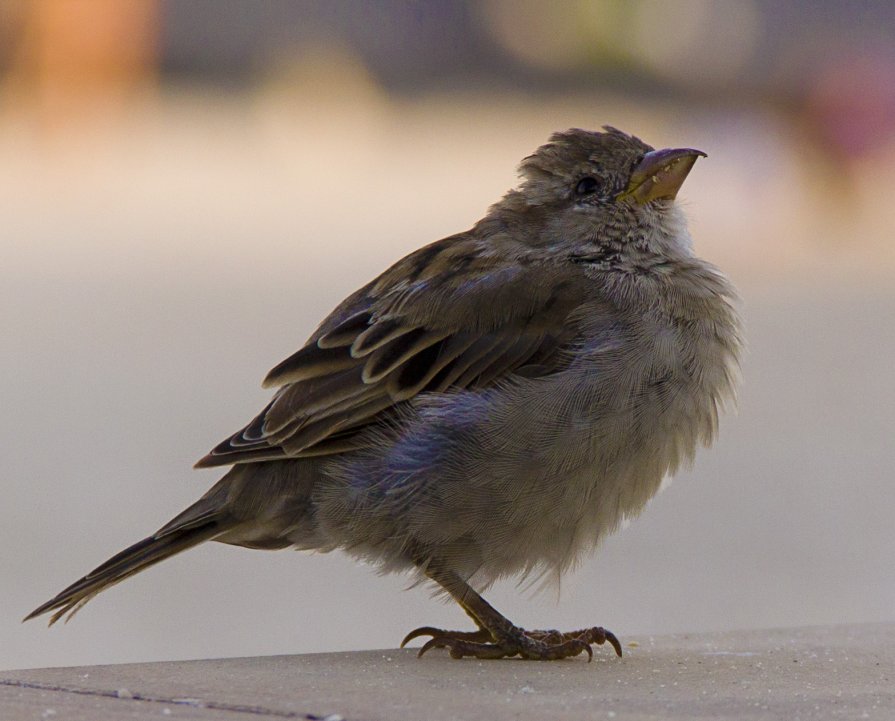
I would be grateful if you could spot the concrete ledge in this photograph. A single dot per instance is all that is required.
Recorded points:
(843, 672)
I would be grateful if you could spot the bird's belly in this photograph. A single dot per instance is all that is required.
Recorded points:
(591, 449)
(579, 468)
(520, 478)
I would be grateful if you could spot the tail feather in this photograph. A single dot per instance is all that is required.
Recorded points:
(134, 559)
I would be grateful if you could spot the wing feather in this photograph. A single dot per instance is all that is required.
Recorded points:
(310, 362)
(345, 333)
(377, 335)
(390, 342)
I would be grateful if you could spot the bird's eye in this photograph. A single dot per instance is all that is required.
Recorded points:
(586, 186)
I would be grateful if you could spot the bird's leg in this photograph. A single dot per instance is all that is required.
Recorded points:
(497, 637)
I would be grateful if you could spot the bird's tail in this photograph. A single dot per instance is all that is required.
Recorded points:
(172, 539)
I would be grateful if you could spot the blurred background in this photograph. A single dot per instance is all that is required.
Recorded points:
(187, 187)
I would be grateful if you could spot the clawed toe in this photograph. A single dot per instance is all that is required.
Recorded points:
(459, 648)
(442, 639)
(595, 635)
(613, 641)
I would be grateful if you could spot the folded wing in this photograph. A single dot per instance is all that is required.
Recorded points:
(420, 327)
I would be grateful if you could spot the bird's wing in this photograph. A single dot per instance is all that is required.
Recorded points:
(450, 316)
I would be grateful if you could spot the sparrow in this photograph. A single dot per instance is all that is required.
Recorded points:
(493, 404)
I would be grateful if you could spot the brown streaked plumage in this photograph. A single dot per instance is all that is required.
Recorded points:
(491, 405)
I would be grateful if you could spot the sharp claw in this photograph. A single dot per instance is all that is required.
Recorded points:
(431, 643)
(614, 642)
(417, 632)
(590, 652)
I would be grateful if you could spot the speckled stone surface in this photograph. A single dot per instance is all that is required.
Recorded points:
(842, 672)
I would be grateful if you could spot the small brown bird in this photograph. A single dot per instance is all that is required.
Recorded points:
(491, 405)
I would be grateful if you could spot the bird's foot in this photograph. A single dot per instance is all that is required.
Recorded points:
(514, 641)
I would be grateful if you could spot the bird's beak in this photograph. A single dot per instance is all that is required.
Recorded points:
(660, 175)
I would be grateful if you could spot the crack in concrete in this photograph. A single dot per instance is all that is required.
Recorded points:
(194, 702)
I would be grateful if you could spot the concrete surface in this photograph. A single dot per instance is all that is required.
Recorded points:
(842, 672)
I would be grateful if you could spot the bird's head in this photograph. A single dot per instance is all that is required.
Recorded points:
(607, 184)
